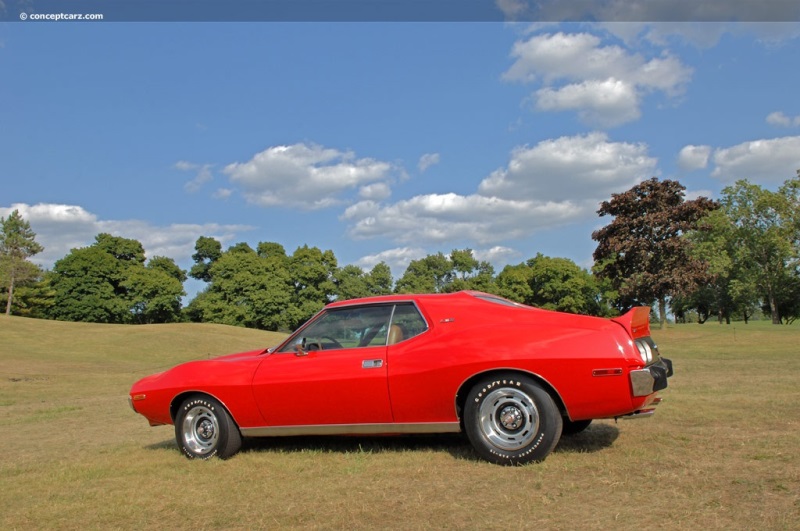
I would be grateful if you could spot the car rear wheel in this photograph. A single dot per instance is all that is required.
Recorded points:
(204, 429)
(511, 420)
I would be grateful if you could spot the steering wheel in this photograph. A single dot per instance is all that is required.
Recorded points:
(335, 343)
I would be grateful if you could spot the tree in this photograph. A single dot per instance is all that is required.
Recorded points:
(379, 279)
(271, 250)
(553, 284)
(763, 235)
(351, 283)
(109, 282)
(642, 250)
(207, 251)
(437, 273)
(267, 289)
(312, 272)
(88, 287)
(245, 290)
(426, 275)
(469, 273)
(168, 266)
(730, 289)
(155, 291)
(126, 250)
(788, 300)
(514, 283)
(17, 244)
(33, 298)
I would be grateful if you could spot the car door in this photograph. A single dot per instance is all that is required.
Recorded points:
(333, 371)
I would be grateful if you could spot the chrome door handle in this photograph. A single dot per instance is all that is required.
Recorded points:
(372, 364)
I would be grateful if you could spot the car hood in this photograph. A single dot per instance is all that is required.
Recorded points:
(240, 355)
(198, 372)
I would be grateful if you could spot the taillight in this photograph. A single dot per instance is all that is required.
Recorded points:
(647, 350)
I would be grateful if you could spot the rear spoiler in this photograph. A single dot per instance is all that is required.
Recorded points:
(636, 321)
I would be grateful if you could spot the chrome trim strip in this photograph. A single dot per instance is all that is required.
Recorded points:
(353, 429)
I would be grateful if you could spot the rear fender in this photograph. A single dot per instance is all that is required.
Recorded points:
(636, 322)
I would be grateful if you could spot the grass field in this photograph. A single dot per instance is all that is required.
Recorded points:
(721, 452)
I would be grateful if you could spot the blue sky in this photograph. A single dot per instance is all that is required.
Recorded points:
(382, 141)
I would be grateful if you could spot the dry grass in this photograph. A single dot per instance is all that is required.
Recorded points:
(722, 451)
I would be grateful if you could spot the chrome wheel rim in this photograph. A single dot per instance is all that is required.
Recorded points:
(509, 419)
(200, 430)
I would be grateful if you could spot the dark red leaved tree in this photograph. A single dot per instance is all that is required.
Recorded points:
(642, 251)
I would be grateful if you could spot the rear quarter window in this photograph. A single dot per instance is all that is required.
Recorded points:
(407, 316)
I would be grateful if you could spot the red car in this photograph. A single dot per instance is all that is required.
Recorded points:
(514, 378)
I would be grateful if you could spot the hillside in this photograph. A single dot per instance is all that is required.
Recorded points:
(720, 453)
(43, 340)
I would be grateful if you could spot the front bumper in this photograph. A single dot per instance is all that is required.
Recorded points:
(652, 378)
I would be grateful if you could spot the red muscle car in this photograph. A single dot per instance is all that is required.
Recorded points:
(512, 377)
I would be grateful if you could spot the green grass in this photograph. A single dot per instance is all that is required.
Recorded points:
(721, 452)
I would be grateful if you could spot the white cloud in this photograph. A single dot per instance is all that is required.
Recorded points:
(497, 255)
(694, 157)
(601, 103)
(782, 120)
(305, 176)
(397, 259)
(202, 174)
(377, 191)
(58, 228)
(665, 11)
(691, 195)
(704, 35)
(768, 161)
(559, 55)
(427, 160)
(605, 84)
(61, 228)
(512, 8)
(585, 167)
(553, 183)
(438, 218)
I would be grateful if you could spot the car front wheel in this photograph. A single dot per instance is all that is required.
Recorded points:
(204, 429)
(511, 420)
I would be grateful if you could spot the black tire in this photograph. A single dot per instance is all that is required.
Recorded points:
(204, 429)
(574, 427)
(511, 420)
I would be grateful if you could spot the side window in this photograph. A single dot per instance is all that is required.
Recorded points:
(365, 326)
(406, 323)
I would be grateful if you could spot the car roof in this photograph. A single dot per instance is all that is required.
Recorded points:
(406, 297)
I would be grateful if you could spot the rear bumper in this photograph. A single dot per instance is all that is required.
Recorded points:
(652, 378)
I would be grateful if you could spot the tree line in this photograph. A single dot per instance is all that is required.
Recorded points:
(728, 259)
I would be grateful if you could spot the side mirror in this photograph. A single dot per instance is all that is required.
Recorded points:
(299, 350)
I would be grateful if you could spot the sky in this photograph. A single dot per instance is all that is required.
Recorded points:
(382, 140)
